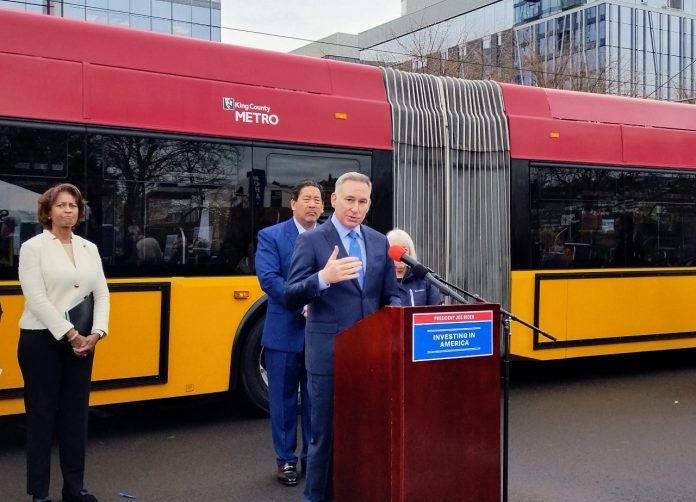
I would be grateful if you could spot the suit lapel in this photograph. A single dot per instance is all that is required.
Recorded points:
(286, 243)
(370, 246)
(79, 253)
(291, 232)
(332, 238)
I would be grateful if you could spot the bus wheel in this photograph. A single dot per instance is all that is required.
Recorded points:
(253, 372)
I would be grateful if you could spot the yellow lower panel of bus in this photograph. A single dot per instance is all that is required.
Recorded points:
(202, 317)
(167, 338)
(12, 303)
(130, 353)
(608, 312)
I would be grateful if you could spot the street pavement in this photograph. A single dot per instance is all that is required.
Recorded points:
(612, 429)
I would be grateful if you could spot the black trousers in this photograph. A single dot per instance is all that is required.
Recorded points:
(56, 396)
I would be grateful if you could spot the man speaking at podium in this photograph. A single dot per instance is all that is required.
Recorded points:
(342, 271)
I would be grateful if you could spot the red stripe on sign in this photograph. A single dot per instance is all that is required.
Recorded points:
(445, 317)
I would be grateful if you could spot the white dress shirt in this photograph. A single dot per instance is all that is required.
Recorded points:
(52, 284)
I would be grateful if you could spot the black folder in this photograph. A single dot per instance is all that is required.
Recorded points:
(82, 315)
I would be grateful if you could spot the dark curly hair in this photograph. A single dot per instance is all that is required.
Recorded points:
(49, 197)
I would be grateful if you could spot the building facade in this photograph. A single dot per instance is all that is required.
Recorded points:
(474, 44)
(629, 47)
(641, 48)
(409, 6)
(189, 18)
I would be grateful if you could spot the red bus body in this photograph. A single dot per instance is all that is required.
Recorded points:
(130, 78)
(553, 125)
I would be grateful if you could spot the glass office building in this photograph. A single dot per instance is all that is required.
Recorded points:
(188, 18)
(632, 47)
(642, 48)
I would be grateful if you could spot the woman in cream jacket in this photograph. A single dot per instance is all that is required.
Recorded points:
(57, 270)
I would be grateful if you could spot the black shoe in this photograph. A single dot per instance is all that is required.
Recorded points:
(83, 496)
(45, 499)
(287, 474)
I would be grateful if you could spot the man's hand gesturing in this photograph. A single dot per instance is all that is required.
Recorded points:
(342, 269)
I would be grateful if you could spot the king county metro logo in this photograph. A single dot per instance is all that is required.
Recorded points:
(250, 113)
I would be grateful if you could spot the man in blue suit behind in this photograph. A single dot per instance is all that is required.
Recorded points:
(342, 271)
(283, 330)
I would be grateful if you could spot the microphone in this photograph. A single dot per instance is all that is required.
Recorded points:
(398, 253)
(420, 271)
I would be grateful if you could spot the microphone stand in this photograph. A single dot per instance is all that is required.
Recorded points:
(422, 272)
(448, 288)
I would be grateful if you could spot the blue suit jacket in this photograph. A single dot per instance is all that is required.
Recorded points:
(344, 303)
(283, 328)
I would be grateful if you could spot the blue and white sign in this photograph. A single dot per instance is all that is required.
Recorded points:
(450, 335)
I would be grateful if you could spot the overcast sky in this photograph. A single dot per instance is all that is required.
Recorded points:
(309, 19)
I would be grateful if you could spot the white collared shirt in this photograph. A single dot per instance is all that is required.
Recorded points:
(300, 228)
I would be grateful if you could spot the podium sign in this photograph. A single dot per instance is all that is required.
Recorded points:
(417, 408)
(448, 335)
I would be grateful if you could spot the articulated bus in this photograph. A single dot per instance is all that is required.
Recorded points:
(575, 211)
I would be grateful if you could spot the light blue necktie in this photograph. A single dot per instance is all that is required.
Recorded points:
(354, 250)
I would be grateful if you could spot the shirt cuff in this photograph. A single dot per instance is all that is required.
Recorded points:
(322, 285)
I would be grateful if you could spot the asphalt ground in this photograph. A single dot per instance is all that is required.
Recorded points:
(611, 429)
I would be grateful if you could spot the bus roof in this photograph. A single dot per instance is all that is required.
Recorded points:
(556, 125)
(79, 72)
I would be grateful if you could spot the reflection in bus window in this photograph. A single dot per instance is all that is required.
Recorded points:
(34, 152)
(8, 240)
(31, 160)
(173, 204)
(286, 168)
(247, 265)
(595, 218)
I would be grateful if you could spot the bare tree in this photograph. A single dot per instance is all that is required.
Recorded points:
(561, 73)
(438, 50)
(434, 50)
(505, 56)
(560, 60)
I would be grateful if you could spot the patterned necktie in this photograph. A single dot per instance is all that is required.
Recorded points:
(354, 250)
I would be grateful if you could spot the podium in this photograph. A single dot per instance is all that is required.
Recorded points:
(417, 406)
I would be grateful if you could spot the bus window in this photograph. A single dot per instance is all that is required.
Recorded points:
(18, 220)
(662, 218)
(612, 218)
(285, 168)
(26, 151)
(172, 207)
(31, 160)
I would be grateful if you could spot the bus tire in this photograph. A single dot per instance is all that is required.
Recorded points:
(253, 373)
